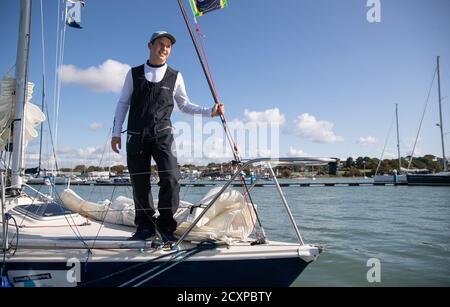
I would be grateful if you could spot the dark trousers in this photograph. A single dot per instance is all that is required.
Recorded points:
(160, 148)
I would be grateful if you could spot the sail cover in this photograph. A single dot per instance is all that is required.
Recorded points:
(200, 7)
(230, 219)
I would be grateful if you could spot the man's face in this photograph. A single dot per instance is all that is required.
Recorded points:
(160, 50)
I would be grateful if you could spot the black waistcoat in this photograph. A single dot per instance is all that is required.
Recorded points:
(151, 105)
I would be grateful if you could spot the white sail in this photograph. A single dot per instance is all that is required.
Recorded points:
(33, 115)
(230, 219)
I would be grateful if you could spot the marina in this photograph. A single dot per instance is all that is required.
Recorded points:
(406, 228)
(257, 185)
(212, 202)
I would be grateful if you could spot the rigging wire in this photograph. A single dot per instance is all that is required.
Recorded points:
(60, 44)
(56, 57)
(423, 116)
(385, 144)
(94, 188)
(43, 84)
(175, 253)
(206, 70)
(9, 70)
(205, 245)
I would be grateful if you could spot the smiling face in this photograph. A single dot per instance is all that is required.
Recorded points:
(159, 50)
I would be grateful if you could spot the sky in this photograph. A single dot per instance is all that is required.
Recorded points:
(319, 72)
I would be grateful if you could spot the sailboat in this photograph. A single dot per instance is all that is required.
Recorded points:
(70, 242)
(397, 177)
(441, 178)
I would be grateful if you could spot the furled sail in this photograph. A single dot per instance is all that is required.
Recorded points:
(33, 115)
(229, 219)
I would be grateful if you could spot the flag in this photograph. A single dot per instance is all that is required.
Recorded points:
(73, 13)
(200, 7)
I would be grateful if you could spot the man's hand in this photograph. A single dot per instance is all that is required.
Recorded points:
(116, 144)
(217, 110)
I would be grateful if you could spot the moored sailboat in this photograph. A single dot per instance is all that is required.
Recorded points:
(45, 243)
(441, 178)
(398, 176)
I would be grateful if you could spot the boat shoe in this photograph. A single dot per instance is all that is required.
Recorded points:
(142, 234)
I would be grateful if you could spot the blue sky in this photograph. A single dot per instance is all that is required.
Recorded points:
(332, 77)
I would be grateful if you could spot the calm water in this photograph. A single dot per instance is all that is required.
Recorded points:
(406, 228)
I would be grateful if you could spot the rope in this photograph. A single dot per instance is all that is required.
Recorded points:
(53, 226)
(202, 45)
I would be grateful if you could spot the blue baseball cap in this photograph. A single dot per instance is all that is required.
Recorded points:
(160, 34)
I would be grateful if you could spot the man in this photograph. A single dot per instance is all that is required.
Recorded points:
(149, 94)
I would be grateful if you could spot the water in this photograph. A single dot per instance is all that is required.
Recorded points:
(406, 228)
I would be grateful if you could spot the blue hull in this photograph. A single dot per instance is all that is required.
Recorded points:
(429, 179)
(236, 273)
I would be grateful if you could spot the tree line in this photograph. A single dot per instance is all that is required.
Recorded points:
(350, 167)
(369, 166)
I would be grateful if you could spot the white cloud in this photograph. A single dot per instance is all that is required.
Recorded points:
(70, 157)
(367, 141)
(108, 77)
(255, 119)
(270, 116)
(95, 126)
(293, 152)
(307, 127)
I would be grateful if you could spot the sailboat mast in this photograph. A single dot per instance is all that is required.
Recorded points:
(398, 141)
(23, 48)
(444, 159)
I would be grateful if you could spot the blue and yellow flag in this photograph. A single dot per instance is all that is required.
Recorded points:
(200, 7)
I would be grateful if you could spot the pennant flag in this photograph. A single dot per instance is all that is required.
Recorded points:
(200, 7)
(73, 13)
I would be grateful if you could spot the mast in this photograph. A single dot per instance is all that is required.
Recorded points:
(23, 48)
(444, 159)
(398, 142)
